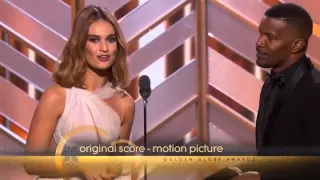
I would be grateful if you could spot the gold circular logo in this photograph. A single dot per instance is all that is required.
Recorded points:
(115, 167)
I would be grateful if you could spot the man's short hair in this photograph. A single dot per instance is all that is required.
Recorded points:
(293, 14)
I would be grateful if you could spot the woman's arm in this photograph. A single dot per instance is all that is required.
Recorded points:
(46, 115)
(128, 110)
(128, 107)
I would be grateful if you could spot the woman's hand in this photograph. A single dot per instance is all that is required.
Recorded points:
(98, 176)
(247, 176)
(103, 173)
(92, 176)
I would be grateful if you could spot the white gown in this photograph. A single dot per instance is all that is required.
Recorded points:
(85, 112)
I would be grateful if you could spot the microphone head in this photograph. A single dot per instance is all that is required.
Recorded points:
(144, 81)
(144, 86)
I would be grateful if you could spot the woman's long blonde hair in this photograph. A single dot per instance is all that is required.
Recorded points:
(72, 69)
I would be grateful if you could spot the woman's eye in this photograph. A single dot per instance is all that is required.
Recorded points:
(93, 40)
(112, 39)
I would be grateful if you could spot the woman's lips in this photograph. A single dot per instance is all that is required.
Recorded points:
(104, 57)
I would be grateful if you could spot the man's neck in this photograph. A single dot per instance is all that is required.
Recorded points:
(287, 64)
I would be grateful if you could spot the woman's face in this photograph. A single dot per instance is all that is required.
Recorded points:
(101, 46)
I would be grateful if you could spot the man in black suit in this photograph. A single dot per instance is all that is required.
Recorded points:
(288, 121)
(288, 117)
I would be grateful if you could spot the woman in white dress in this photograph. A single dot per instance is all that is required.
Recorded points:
(87, 91)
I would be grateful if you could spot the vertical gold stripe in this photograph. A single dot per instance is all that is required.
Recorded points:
(76, 6)
(202, 63)
(133, 89)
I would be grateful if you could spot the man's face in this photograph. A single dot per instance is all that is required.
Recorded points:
(275, 43)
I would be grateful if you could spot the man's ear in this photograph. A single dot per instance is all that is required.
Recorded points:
(299, 45)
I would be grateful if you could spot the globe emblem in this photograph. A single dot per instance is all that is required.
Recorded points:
(70, 162)
(66, 160)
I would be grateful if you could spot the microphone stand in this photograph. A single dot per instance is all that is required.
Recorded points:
(145, 91)
(145, 101)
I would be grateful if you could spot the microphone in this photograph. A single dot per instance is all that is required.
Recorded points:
(144, 87)
(145, 92)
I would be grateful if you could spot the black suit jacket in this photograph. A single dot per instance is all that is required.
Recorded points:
(293, 127)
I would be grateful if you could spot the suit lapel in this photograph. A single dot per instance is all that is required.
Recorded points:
(260, 124)
(286, 93)
(277, 107)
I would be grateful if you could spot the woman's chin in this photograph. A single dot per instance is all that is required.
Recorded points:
(99, 68)
(103, 67)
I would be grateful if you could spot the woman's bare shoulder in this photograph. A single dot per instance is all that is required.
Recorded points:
(126, 99)
(54, 95)
(128, 105)
(49, 109)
